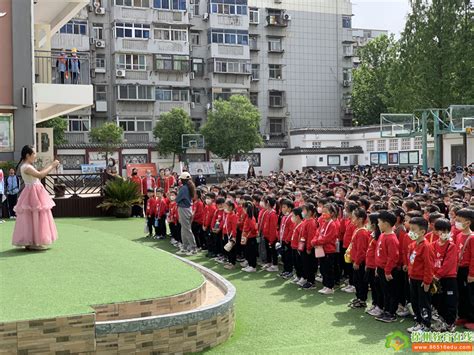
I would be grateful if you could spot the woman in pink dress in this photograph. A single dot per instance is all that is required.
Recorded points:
(34, 227)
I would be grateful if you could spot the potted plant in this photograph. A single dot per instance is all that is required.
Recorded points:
(120, 196)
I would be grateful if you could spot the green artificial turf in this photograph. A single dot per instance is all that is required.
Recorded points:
(91, 263)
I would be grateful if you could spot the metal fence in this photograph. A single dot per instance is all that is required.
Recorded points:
(48, 68)
(75, 185)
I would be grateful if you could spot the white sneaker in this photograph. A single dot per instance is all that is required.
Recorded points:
(191, 252)
(181, 252)
(370, 309)
(410, 309)
(301, 282)
(295, 279)
(349, 289)
(249, 269)
(402, 311)
(1, 221)
(328, 291)
(319, 279)
(273, 268)
(376, 312)
(244, 263)
(416, 328)
(266, 266)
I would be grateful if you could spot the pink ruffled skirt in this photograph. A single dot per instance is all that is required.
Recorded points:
(34, 222)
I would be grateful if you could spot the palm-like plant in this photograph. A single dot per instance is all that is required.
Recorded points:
(120, 194)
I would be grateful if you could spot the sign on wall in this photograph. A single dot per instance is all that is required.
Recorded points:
(208, 168)
(142, 168)
(98, 158)
(6, 132)
(236, 167)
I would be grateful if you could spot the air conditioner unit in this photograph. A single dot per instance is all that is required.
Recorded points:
(191, 75)
(193, 105)
(90, 8)
(120, 73)
(206, 16)
(191, 1)
(100, 43)
(91, 40)
(100, 11)
(287, 17)
(346, 83)
(266, 137)
(208, 106)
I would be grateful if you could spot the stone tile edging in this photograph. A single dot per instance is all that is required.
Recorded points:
(175, 319)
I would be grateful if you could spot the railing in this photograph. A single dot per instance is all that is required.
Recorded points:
(74, 185)
(51, 68)
(77, 137)
(142, 137)
(277, 20)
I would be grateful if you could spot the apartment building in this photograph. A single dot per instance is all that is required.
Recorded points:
(361, 37)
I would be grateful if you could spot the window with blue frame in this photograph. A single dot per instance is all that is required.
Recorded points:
(228, 7)
(346, 21)
(228, 36)
(170, 4)
(75, 27)
(132, 30)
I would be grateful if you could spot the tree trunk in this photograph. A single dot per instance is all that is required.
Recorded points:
(228, 170)
(172, 164)
(106, 158)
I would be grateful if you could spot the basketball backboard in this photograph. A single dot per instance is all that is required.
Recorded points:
(192, 141)
(398, 125)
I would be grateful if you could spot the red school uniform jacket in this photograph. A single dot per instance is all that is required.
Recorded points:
(327, 237)
(209, 211)
(387, 252)
(360, 243)
(230, 224)
(446, 259)
(151, 207)
(136, 179)
(296, 235)
(370, 256)
(161, 207)
(241, 214)
(431, 237)
(173, 216)
(421, 262)
(249, 228)
(286, 228)
(349, 229)
(270, 226)
(218, 217)
(148, 183)
(198, 212)
(466, 254)
(262, 215)
(404, 242)
(308, 231)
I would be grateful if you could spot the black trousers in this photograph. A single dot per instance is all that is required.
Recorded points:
(161, 230)
(175, 230)
(403, 288)
(466, 295)
(389, 290)
(375, 287)
(272, 255)
(137, 210)
(360, 283)
(298, 262)
(239, 248)
(151, 225)
(446, 302)
(287, 257)
(328, 270)
(230, 255)
(251, 252)
(309, 266)
(421, 303)
(11, 201)
(197, 232)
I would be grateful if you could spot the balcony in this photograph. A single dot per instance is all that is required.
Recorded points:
(138, 137)
(68, 40)
(77, 137)
(61, 86)
(217, 66)
(278, 20)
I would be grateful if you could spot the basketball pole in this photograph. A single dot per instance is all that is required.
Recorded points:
(424, 125)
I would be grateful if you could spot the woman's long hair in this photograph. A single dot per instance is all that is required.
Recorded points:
(26, 150)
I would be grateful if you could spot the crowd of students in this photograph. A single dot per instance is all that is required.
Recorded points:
(405, 236)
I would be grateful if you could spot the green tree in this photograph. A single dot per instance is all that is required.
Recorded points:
(59, 126)
(232, 128)
(169, 129)
(370, 95)
(108, 136)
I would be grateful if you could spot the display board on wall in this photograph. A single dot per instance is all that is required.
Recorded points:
(92, 168)
(6, 132)
(334, 160)
(98, 158)
(236, 167)
(142, 168)
(208, 168)
(393, 158)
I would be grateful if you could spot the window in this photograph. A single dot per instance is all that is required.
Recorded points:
(253, 42)
(100, 61)
(344, 144)
(227, 66)
(276, 125)
(135, 92)
(170, 34)
(393, 144)
(170, 62)
(276, 99)
(346, 21)
(254, 98)
(347, 74)
(170, 94)
(316, 145)
(98, 31)
(196, 8)
(275, 71)
(100, 93)
(170, 4)
(321, 159)
(196, 96)
(347, 50)
(381, 146)
(75, 27)
(406, 143)
(135, 124)
(228, 7)
(195, 38)
(133, 3)
(370, 146)
(254, 16)
(228, 36)
(78, 123)
(131, 62)
(275, 44)
(198, 66)
(418, 143)
(197, 123)
(132, 30)
(255, 72)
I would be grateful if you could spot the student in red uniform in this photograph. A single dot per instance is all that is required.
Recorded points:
(217, 224)
(358, 251)
(307, 254)
(161, 210)
(370, 268)
(298, 222)
(326, 238)
(445, 271)
(465, 243)
(249, 238)
(386, 259)
(403, 288)
(229, 232)
(137, 210)
(453, 210)
(285, 233)
(209, 211)
(198, 220)
(261, 220)
(240, 212)
(148, 182)
(348, 228)
(420, 270)
(173, 219)
(433, 236)
(270, 234)
(150, 211)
